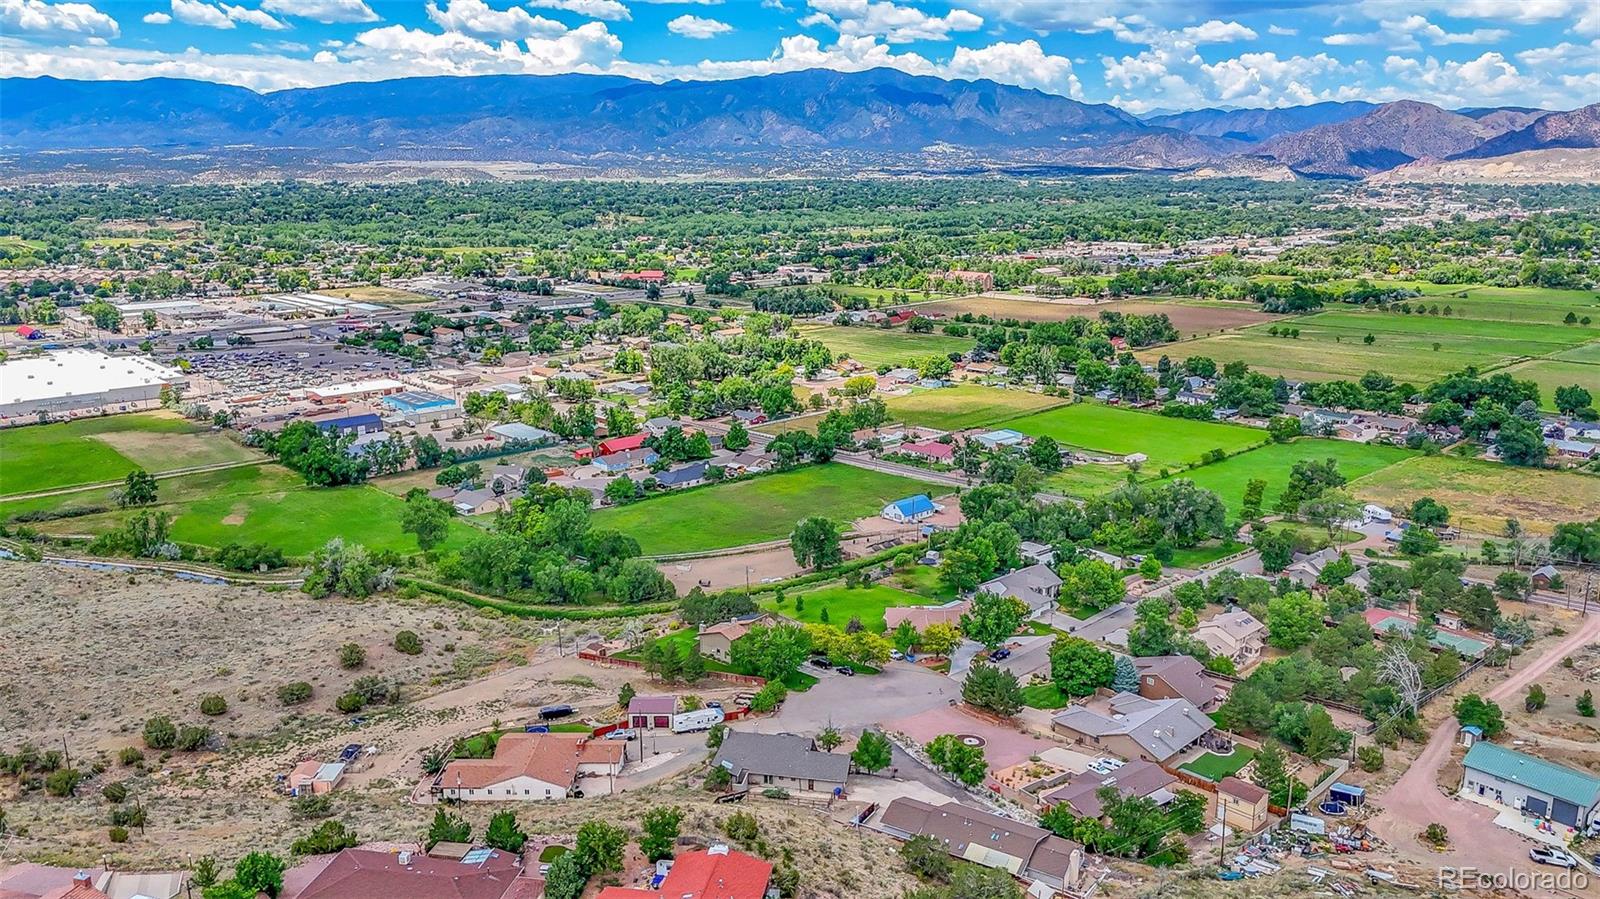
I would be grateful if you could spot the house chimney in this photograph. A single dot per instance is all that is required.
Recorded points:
(82, 878)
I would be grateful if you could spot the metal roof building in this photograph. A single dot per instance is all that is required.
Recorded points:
(1496, 775)
(75, 380)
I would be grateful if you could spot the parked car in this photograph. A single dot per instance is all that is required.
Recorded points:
(896, 654)
(821, 663)
(1000, 654)
(846, 670)
(1549, 855)
(713, 704)
(623, 734)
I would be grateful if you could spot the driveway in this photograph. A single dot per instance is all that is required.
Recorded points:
(853, 704)
(1098, 625)
(1415, 801)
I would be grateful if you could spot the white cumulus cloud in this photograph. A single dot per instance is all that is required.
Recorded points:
(894, 23)
(62, 20)
(157, 18)
(1024, 64)
(479, 19)
(610, 10)
(327, 12)
(697, 27)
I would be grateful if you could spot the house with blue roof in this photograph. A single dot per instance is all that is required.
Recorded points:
(911, 509)
(1500, 777)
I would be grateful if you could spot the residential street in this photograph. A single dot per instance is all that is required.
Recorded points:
(1415, 801)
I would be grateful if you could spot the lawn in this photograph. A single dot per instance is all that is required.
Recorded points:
(754, 510)
(1552, 373)
(873, 346)
(844, 603)
(966, 406)
(1215, 767)
(96, 450)
(1482, 495)
(1272, 463)
(1170, 442)
(1044, 696)
(269, 504)
(1415, 348)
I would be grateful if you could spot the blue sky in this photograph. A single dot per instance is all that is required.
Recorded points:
(1139, 54)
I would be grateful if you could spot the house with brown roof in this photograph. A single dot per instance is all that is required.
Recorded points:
(1138, 778)
(534, 767)
(716, 640)
(652, 712)
(1237, 635)
(1243, 805)
(376, 874)
(1133, 727)
(1176, 677)
(1025, 851)
(923, 616)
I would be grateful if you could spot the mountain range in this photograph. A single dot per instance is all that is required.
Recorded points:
(880, 119)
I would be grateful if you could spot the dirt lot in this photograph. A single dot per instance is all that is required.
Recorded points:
(1189, 319)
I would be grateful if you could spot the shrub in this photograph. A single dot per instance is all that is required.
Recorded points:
(213, 705)
(63, 782)
(408, 642)
(130, 755)
(1370, 758)
(352, 656)
(160, 733)
(193, 737)
(114, 792)
(312, 806)
(350, 702)
(769, 697)
(118, 834)
(294, 693)
(1435, 834)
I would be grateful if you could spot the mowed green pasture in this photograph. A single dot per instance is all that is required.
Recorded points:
(1121, 432)
(1332, 345)
(872, 346)
(844, 603)
(96, 450)
(1552, 373)
(1589, 352)
(755, 510)
(1520, 304)
(265, 504)
(1271, 463)
(1482, 495)
(966, 406)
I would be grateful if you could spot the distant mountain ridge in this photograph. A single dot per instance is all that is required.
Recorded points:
(880, 118)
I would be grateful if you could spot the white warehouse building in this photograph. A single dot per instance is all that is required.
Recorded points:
(66, 381)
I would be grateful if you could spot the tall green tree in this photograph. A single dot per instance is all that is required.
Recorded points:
(1079, 667)
(992, 689)
(815, 542)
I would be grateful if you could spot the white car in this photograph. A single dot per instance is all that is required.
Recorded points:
(896, 654)
(1549, 855)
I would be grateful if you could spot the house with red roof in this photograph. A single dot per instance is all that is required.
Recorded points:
(613, 445)
(378, 874)
(932, 450)
(715, 873)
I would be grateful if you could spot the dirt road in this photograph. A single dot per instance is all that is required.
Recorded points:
(1415, 800)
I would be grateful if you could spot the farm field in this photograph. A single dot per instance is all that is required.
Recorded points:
(1167, 441)
(269, 505)
(1272, 462)
(1522, 304)
(966, 406)
(885, 294)
(1589, 352)
(755, 510)
(96, 450)
(1332, 345)
(1482, 495)
(873, 346)
(1552, 373)
(182, 488)
(844, 603)
(1190, 317)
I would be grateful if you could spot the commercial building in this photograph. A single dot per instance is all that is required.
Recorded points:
(1497, 776)
(354, 391)
(420, 406)
(67, 381)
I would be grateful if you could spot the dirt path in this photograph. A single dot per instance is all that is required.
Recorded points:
(1415, 800)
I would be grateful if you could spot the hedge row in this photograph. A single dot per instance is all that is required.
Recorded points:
(521, 610)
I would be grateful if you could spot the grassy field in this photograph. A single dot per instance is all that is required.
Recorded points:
(755, 510)
(872, 346)
(1482, 495)
(1416, 348)
(1120, 432)
(267, 504)
(1271, 463)
(1552, 373)
(1589, 352)
(96, 450)
(1190, 317)
(1520, 304)
(1215, 767)
(373, 294)
(966, 406)
(843, 603)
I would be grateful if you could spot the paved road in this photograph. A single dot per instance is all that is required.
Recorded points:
(1097, 626)
(1415, 800)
